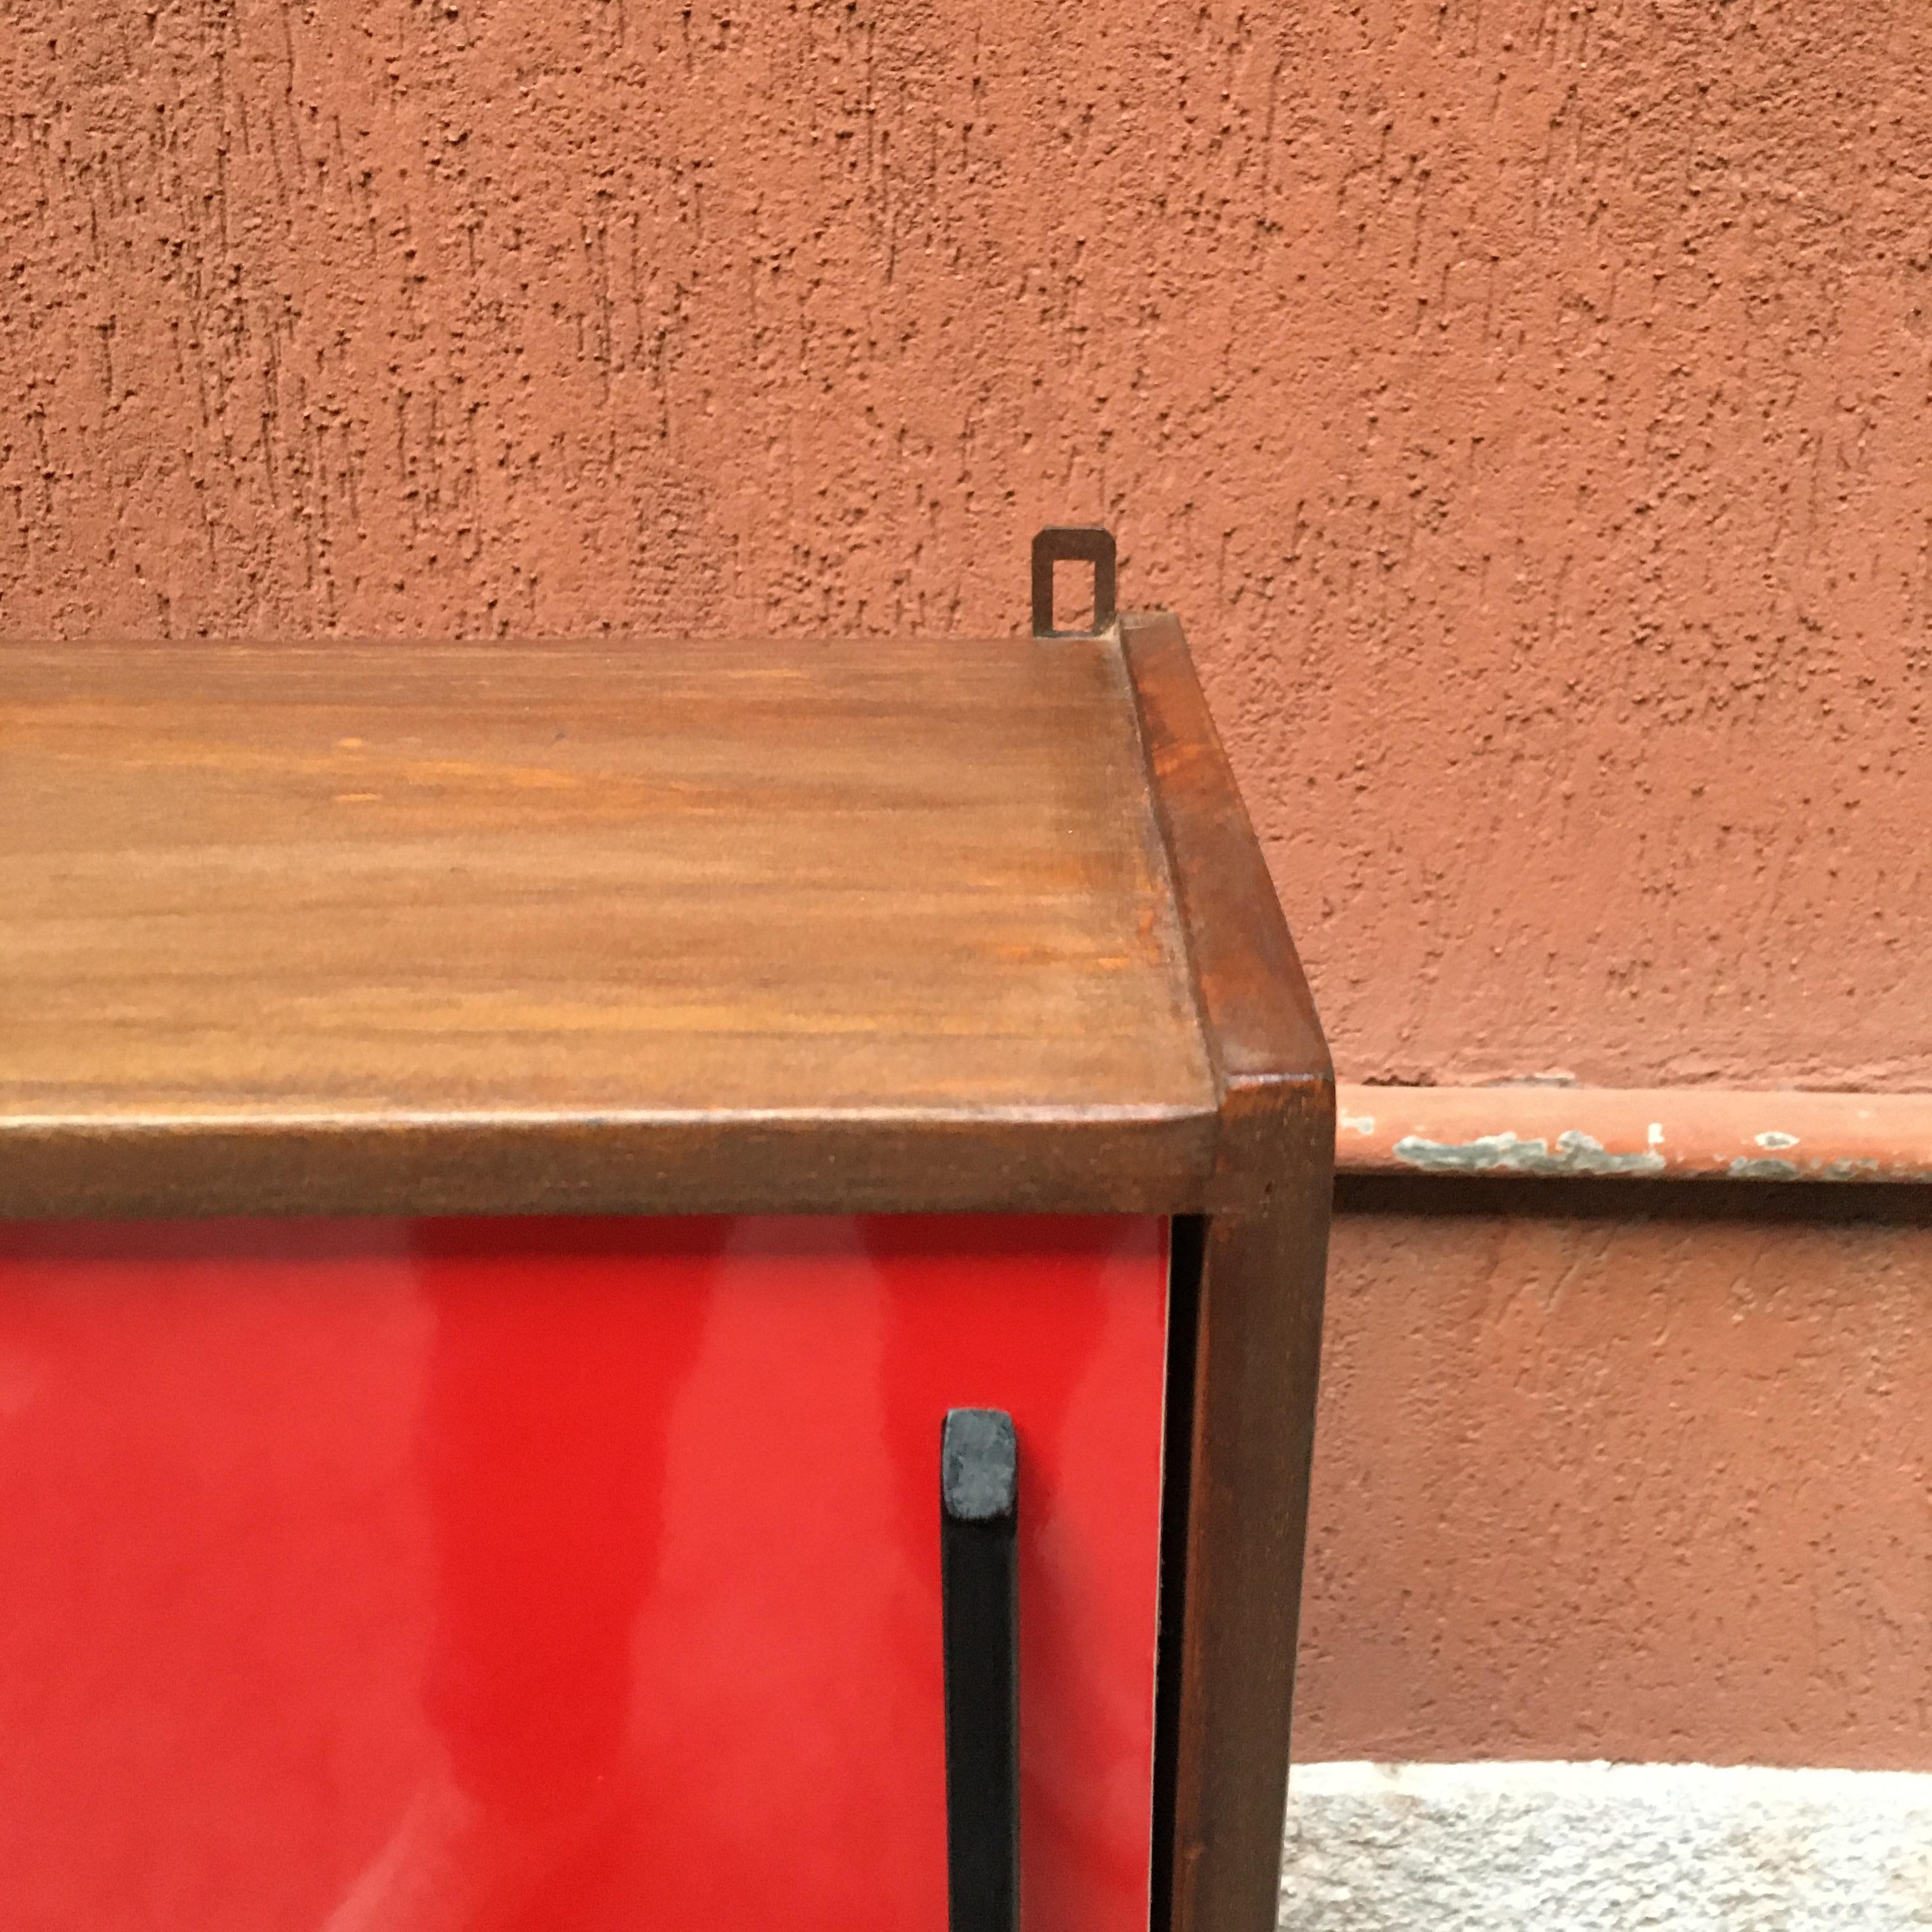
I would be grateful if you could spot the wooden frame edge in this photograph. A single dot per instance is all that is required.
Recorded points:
(1257, 1336)
(1256, 1010)
(1103, 1163)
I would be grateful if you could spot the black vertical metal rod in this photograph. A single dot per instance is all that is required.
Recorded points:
(979, 1537)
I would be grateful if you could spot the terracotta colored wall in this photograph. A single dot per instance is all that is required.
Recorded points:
(1645, 1480)
(1524, 403)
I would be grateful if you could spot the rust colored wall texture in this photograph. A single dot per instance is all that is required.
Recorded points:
(1523, 402)
(1639, 1485)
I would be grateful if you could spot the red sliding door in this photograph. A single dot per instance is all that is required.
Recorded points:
(559, 1574)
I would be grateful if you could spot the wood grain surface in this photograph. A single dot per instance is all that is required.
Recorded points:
(574, 910)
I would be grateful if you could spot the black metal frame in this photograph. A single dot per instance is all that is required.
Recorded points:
(1074, 543)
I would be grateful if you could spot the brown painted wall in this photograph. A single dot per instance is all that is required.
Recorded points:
(1641, 1479)
(1524, 403)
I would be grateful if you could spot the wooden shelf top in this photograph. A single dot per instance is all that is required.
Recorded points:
(633, 926)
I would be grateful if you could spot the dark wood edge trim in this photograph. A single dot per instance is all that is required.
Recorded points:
(1257, 1338)
(1258, 1347)
(1257, 1015)
(1153, 1164)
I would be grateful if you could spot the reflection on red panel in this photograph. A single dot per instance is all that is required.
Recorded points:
(557, 1574)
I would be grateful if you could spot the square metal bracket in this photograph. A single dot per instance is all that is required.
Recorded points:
(1074, 543)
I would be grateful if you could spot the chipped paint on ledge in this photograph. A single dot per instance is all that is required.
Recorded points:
(1688, 1133)
(1577, 1152)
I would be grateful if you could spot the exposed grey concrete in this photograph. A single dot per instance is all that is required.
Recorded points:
(1577, 1847)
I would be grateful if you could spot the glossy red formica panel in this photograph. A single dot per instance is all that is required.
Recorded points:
(566, 1574)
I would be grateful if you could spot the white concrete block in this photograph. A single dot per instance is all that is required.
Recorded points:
(1605, 1848)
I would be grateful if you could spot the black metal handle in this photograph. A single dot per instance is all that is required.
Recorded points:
(978, 1536)
(1074, 543)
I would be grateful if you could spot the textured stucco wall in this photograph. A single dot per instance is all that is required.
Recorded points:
(1523, 402)
(1624, 1470)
